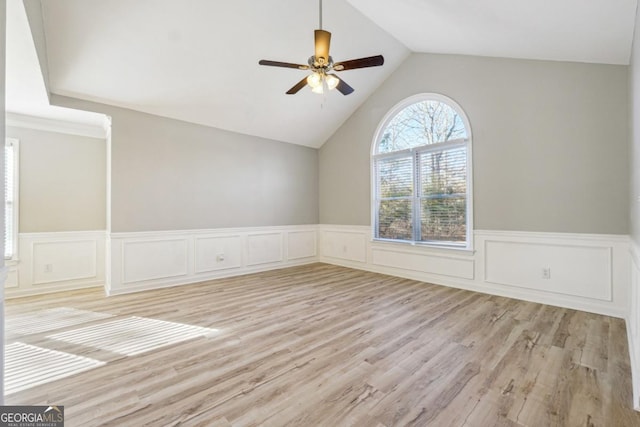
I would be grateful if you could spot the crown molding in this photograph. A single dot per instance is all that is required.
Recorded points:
(58, 126)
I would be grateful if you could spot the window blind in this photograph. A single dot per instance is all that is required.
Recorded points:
(9, 199)
(443, 195)
(421, 176)
(395, 197)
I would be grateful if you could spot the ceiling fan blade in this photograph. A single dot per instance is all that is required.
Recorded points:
(323, 41)
(282, 64)
(342, 87)
(302, 83)
(371, 61)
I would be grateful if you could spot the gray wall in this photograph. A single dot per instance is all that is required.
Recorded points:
(62, 181)
(634, 116)
(549, 142)
(172, 175)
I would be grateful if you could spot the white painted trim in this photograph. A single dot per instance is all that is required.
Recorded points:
(632, 321)
(136, 242)
(468, 144)
(254, 249)
(315, 244)
(537, 235)
(548, 244)
(213, 231)
(16, 199)
(85, 271)
(635, 372)
(58, 126)
(619, 264)
(199, 278)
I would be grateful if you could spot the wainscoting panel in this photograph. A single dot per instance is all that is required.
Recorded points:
(264, 248)
(217, 253)
(52, 262)
(345, 244)
(154, 259)
(301, 244)
(427, 263)
(149, 260)
(12, 275)
(633, 323)
(64, 261)
(580, 271)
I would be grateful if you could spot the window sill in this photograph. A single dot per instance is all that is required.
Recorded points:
(423, 247)
(13, 262)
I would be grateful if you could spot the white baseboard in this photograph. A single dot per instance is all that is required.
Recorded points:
(587, 272)
(149, 260)
(594, 273)
(633, 323)
(57, 261)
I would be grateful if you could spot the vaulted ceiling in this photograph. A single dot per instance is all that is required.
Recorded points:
(197, 60)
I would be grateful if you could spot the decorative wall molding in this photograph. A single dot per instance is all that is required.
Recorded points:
(57, 261)
(58, 126)
(214, 253)
(633, 322)
(149, 260)
(595, 273)
(167, 256)
(586, 271)
(264, 248)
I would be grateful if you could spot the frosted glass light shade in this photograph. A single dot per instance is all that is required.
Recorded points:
(332, 81)
(314, 80)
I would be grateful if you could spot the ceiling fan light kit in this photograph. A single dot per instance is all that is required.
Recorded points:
(321, 65)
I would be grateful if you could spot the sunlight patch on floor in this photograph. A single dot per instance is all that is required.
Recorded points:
(132, 335)
(50, 320)
(27, 366)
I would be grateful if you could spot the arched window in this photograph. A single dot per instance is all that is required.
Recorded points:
(421, 160)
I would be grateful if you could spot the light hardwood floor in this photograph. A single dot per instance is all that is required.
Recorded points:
(318, 345)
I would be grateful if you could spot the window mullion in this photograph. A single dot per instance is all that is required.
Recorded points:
(408, 152)
(377, 199)
(417, 190)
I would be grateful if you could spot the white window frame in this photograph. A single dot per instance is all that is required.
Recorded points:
(16, 200)
(391, 114)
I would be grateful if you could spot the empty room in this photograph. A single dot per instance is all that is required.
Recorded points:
(321, 213)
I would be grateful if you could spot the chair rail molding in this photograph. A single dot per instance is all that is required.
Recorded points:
(149, 260)
(587, 272)
(56, 261)
(633, 322)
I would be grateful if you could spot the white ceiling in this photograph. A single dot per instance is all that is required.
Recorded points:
(597, 31)
(198, 60)
(25, 90)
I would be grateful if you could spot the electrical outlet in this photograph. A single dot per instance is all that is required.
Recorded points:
(220, 257)
(546, 273)
(48, 268)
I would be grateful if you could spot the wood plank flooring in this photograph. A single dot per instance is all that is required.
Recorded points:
(318, 345)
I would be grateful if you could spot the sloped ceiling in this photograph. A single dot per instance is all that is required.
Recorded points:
(197, 60)
(26, 94)
(598, 31)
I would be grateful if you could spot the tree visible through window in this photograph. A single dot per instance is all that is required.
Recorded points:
(421, 162)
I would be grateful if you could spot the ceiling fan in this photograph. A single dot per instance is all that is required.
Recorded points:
(321, 65)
